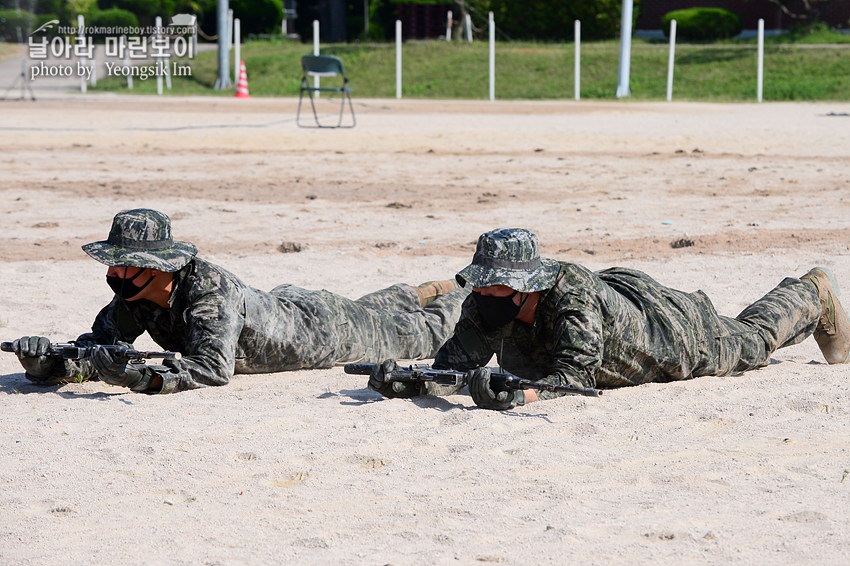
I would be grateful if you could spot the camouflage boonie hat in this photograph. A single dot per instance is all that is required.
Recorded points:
(142, 238)
(509, 256)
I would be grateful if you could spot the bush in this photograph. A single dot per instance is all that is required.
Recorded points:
(551, 21)
(703, 24)
(11, 20)
(42, 19)
(144, 10)
(112, 18)
(258, 16)
(48, 6)
(542, 20)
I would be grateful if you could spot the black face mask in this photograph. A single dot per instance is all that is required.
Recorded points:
(127, 288)
(496, 311)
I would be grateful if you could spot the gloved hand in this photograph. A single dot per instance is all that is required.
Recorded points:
(114, 370)
(39, 368)
(484, 396)
(393, 389)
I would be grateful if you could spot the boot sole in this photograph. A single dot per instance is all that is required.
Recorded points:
(835, 289)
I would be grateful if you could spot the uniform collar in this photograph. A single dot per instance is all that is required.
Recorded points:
(179, 278)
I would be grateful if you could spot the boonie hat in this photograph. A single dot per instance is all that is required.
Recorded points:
(142, 238)
(511, 257)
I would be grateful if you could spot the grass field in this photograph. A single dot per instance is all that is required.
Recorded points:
(437, 69)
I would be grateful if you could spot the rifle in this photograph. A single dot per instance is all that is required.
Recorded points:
(74, 352)
(499, 380)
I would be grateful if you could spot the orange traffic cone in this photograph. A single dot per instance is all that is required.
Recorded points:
(242, 84)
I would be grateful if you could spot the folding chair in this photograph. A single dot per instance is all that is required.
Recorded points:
(324, 66)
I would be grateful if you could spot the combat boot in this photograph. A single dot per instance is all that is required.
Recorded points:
(433, 289)
(833, 331)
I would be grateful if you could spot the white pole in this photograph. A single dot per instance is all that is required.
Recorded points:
(469, 28)
(158, 24)
(237, 48)
(230, 29)
(760, 74)
(670, 60)
(222, 81)
(81, 24)
(492, 57)
(168, 72)
(127, 61)
(625, 49)
(577, 64)
(398, 58)
(93, 76)
(449, 26)
(316, 81)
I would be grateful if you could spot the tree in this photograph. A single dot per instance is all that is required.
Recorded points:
(547, 20)
(802, 12)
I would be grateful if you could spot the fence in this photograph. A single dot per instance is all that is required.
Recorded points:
(623, 88)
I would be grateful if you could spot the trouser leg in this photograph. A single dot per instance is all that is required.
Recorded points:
(785, 316)
(399, 297)
(390, 323)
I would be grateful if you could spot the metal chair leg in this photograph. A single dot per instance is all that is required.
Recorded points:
(345, 93)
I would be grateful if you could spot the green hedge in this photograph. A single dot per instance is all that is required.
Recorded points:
(703, 24)
(552, 21)
(41, 19)
(49, 6)
(257, 16)
(10, 20)
(114, 17)
(144, 10)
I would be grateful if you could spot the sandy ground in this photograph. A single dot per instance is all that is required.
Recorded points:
(311, 467)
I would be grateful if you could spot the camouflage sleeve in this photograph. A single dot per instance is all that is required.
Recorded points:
(467, 348)
(214, 321)
(114, 323)
(578, 340)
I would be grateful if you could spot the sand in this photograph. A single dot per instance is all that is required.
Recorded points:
(311, 467)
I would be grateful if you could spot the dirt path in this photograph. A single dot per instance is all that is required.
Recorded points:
(311, 467)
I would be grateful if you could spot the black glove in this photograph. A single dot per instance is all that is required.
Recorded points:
(381, 373)
(486, 398)
(114, 370)
(39, 368)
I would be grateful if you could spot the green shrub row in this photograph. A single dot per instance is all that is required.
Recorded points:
(703, 24)
(113, 17)
(11, 20)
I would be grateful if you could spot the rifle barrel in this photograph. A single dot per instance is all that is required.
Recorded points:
(513, 381)
(167, 354)
(77, 351)
(358, 369)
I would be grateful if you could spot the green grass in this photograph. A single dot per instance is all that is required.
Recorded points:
(818, 34)
(524, 70)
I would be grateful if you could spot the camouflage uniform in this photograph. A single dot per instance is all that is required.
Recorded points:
(222, 326)
(620, 327)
